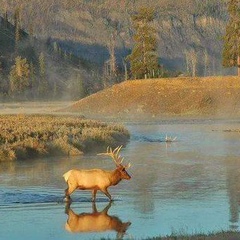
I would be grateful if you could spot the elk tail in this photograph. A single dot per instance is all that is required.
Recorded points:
(67, 227)
(66, 175)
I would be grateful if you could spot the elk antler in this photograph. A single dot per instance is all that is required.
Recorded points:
(114, 154)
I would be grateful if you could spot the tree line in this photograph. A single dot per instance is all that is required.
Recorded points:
(231, 48)
(144, 61)
(28, 75)
(26, 70)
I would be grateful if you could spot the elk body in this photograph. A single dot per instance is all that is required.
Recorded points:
(97, 179)
(95, 222)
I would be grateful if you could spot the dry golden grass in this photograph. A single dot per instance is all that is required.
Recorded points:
(182, 96)
(27, 136)
(214, 236)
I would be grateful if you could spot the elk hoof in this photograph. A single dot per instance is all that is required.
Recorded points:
(67, 200)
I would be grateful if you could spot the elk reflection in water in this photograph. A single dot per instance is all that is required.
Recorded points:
(95, 221)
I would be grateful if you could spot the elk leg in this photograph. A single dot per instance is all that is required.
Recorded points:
(105, 210)
(94, 208)
(94, 192)
(67, 207)
(68, 192)
(105, 191)
(67, 195)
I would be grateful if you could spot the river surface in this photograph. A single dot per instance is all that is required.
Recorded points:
(188, 186)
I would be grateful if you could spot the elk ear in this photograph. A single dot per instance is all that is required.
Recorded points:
(120, 167)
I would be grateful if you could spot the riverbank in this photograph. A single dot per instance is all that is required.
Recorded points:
(214, 236)
(30, 136)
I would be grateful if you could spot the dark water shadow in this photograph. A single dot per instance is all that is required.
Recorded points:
(152, 139)
(89, 199)
(141, 138)
(95, 221)
(26, 197)
(15, 196)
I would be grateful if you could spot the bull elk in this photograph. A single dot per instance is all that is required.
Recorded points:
(97, 179)
(95, 222)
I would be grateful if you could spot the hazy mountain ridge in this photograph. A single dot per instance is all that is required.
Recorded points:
(63, 71)
(185, 28)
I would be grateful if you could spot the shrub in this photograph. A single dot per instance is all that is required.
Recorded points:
(23, 136)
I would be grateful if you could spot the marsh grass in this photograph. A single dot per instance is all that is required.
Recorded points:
(28, 136)
(223, 235)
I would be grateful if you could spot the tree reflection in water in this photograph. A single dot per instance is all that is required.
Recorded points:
(95, 221)
(233, 188)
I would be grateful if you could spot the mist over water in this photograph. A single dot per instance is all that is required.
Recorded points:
(187, 186)
(33, 107)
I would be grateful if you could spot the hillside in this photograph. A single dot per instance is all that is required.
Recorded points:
(47, 73)
(185, 29)
(163, 98)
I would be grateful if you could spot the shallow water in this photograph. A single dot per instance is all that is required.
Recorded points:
(188, 186)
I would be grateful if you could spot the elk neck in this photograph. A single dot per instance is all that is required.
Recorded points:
(115, 177)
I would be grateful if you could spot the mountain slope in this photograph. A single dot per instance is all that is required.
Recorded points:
(185, 29)
(64, 74)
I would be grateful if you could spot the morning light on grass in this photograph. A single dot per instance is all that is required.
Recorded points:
(85, 85)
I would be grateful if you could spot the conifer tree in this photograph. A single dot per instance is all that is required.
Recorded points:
(55, 47)
(6, 19)
(43, 83)
(42, 65)
(231, 48)
(19, 75)
(32, 76)
(112, 28)
(17, 27)
(144, 59)
(31, 32)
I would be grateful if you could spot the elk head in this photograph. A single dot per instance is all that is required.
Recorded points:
(114, 154)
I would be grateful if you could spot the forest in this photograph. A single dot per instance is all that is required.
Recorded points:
(67, 48)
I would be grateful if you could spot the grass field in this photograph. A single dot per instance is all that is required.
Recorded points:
(167, 97)
(28, 136)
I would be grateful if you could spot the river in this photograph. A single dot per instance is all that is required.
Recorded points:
(188, 186)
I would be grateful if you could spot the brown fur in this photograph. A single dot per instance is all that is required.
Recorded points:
(94, 179)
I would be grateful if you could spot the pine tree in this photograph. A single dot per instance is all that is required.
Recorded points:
(55, 47)
(31, 32)
(6, 19)
(32, 76)
(112, 28)
(42, 65)
(144, 59)
(231, 48)
(19, 75)
(43, 83)
(17, 27)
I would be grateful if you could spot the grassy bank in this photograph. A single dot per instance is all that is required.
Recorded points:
(28, 136)
(214, 236)
(169, 97)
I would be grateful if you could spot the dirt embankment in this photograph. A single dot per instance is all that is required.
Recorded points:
(163, 98)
